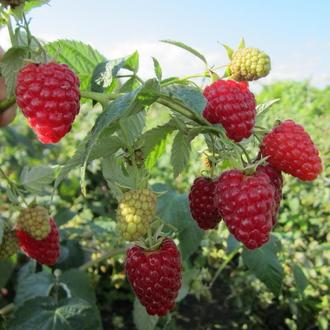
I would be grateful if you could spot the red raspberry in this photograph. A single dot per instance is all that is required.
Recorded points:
(232, 105)
(276, 179)
(45, 251)
(291, 150)
(48, 95)
(201, 202)
(155, 276)
(246, 204)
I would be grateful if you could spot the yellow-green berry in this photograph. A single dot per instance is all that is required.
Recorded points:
(9, 245)
(35, 222)
(249, 64)
(135, 211)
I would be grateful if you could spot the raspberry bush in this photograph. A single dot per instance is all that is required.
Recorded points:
(88, 197)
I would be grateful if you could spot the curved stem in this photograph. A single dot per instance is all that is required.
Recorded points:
(223, 265)
(7, 309)
(245, 152)
(7, 103)
(106, 255)
(99, 97)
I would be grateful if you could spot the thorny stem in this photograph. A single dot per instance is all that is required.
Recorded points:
(223, 266)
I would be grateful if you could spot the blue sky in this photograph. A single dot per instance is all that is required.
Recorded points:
(296, 33)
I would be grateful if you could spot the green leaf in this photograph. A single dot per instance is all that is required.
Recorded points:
(229, 51)
(131, 128)
(79, 285)
(180, 153)
(31, 4)
(33, 285)
(241, 44)
(35, 179)
(157, 69)
(261, 108)
(11, 63)
(104, 73)
(187, 48)
(263, 262)
(174, 209)
(191, 97)
(153, 137)
(156, 153)
(142, 320)
(2, 225)
(46, 314)
(80, 57)
(129, 85)
(106, 145)
(300, 278)
(63, 216)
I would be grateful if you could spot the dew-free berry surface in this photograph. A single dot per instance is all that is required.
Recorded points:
(291, 150)
(45, 251)
(155, 276)
(232, 105)
(246, 204)
(48, 95)
(201, 203)
(276, 179)
(249, 64)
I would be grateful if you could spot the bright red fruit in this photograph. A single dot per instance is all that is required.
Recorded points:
(45, 251)
(232, 105)
(155, 276)
(276, 179)
(201, 203)
(246, 204)
(48, 95)
(290, 149)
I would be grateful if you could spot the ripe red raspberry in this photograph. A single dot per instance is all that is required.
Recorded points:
(48, 95)
(45, 251)
(276, 179)
(232, 105)
(201, 202)
(291, 150)
(155, 276)
(246, 204)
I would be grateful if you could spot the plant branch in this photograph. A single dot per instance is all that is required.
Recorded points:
(223, 265)
(7, 103)
(7, 309)
(106, 255)
(99, 97)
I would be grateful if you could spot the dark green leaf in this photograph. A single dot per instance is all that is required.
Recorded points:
(142, 320)
(174, 209)
(11, 63)
(6, 269)
(79, 285)
(263, 262)
(157, 69)
(187, 48)
(191, 97)
(34, 285)
(299, 278)
(44, 313)
(180, 153)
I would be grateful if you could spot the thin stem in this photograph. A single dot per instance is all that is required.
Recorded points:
(223, 265)
(106, 255)
(11, 32)
(7, 309)
(99, 97)
(245, 152)
(7, 103)
(28, 32)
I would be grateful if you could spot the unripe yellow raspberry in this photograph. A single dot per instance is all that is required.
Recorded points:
(249, 64)
(9, 245)
(35, 222)
(135, 211)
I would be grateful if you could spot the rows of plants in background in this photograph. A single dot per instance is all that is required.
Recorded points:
(143, 140)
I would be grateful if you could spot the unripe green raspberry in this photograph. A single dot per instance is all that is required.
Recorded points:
(135, 211)
(9, 245)
(249, 64)
(35, 222)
